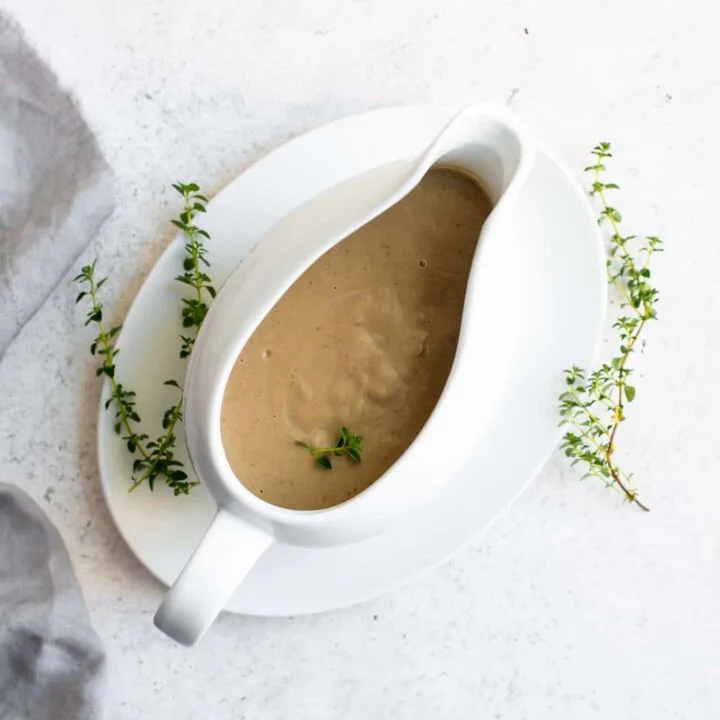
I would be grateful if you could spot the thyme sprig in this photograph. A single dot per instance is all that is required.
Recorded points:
(593, 404)
(347, 444)
(194, 308)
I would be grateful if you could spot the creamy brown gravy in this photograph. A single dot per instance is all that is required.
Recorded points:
(365, 338)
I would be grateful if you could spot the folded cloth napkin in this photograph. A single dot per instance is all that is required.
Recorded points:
(55, 187)
(52, 664)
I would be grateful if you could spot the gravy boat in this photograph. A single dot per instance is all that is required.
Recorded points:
(486, 144)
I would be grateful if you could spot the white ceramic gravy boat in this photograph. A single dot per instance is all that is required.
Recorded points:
(483, 142)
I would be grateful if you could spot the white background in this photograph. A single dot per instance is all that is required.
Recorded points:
(574, 605)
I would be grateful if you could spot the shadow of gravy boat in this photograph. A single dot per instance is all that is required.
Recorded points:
(486, 144)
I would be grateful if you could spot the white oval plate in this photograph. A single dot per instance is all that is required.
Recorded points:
(561, 327)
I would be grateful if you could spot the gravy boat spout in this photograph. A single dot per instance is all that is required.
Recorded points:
(495, 150)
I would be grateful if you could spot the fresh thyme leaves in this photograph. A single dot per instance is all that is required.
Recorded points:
(195, 308)
(104, 345)
(347, 444)
(161, 463)
(593, 404)
(154, 458)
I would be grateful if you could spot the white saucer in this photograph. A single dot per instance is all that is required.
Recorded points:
(562, 327)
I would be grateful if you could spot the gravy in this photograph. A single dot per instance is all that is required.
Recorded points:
(365, 338)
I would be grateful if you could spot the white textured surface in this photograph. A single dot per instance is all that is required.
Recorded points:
(573, 605)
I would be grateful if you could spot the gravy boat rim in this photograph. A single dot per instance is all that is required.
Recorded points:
(236, 493)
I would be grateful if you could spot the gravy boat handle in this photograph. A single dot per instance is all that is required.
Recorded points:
(228, 551)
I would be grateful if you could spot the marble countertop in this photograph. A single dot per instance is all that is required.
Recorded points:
(573, 605)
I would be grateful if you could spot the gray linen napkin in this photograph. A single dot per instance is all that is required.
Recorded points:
(55, 187)
(55, 192)
(51, 661)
